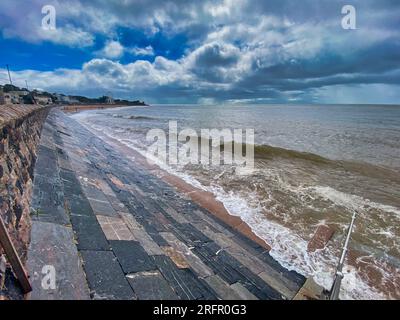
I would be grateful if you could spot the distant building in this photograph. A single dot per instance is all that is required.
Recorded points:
(73, 100)
(12, 97)
(109, 100)
(43, 100)
(20, 93)
(61, 98)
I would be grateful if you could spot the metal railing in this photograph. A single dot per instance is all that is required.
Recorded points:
(335, 290)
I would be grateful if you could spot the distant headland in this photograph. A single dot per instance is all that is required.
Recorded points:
(10, 94)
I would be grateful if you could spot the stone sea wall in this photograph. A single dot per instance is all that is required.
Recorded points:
(20, 128)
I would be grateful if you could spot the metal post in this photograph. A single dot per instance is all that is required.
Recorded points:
(335, 290)
(9, 75)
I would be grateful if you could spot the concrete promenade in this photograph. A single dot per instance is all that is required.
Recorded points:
(112, 230)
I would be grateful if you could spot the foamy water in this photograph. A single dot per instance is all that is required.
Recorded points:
(290, 194)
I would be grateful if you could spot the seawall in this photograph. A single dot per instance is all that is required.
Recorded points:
(20, 128)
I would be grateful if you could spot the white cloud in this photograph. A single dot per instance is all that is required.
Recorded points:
(112, 50)
(146, 51)
(67, 35)
(375, 93)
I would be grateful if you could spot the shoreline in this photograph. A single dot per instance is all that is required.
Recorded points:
(76, 108)
(205, 199)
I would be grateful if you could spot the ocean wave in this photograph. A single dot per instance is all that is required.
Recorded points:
(269, 152)
(132, 117)
(350, 201)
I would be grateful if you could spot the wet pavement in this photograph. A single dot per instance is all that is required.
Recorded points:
(113, 230)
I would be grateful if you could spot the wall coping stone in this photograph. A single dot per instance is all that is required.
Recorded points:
(9, 113)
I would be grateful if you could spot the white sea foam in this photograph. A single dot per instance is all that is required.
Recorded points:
(351, 201)
(290, 250)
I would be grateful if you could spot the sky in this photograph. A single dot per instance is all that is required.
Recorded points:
(193, 51)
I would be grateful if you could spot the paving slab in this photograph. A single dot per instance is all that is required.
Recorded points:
(249, 280)
(151, 286)
(52, 246)
(194, 261)
(48, 200)
(89, 234)
(222, 288)
(105, 276)
(220, 267)
(141, 235)
(132, 257)
(185, 283)
(102, 207)
(176, 256)
(243, 292)
(46, 163)
(114, 228)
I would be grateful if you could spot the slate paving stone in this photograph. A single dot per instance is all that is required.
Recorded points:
(63, 161)
(132, 257)
(46, 163)
(70, 183)
(185, 283)
(105, 276)
(194, 234)
(243, 292)
(52, 244)
(155, 235)
(48, 200)
(223, 290)
(79, 205)
(151, 286)
(184, 236)
(251, 281)
(93, 192)
(297, 279)
(193, 260)
(257, 286)
(67, 176)
(89, 234)
(219, 266)
(172, 214)
(102, 207)
(142, 236)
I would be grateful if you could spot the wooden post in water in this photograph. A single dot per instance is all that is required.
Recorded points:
(13, 258)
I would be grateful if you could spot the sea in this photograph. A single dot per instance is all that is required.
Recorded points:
(314, 165)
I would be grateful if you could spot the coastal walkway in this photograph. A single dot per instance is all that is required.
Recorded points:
(106, 228)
